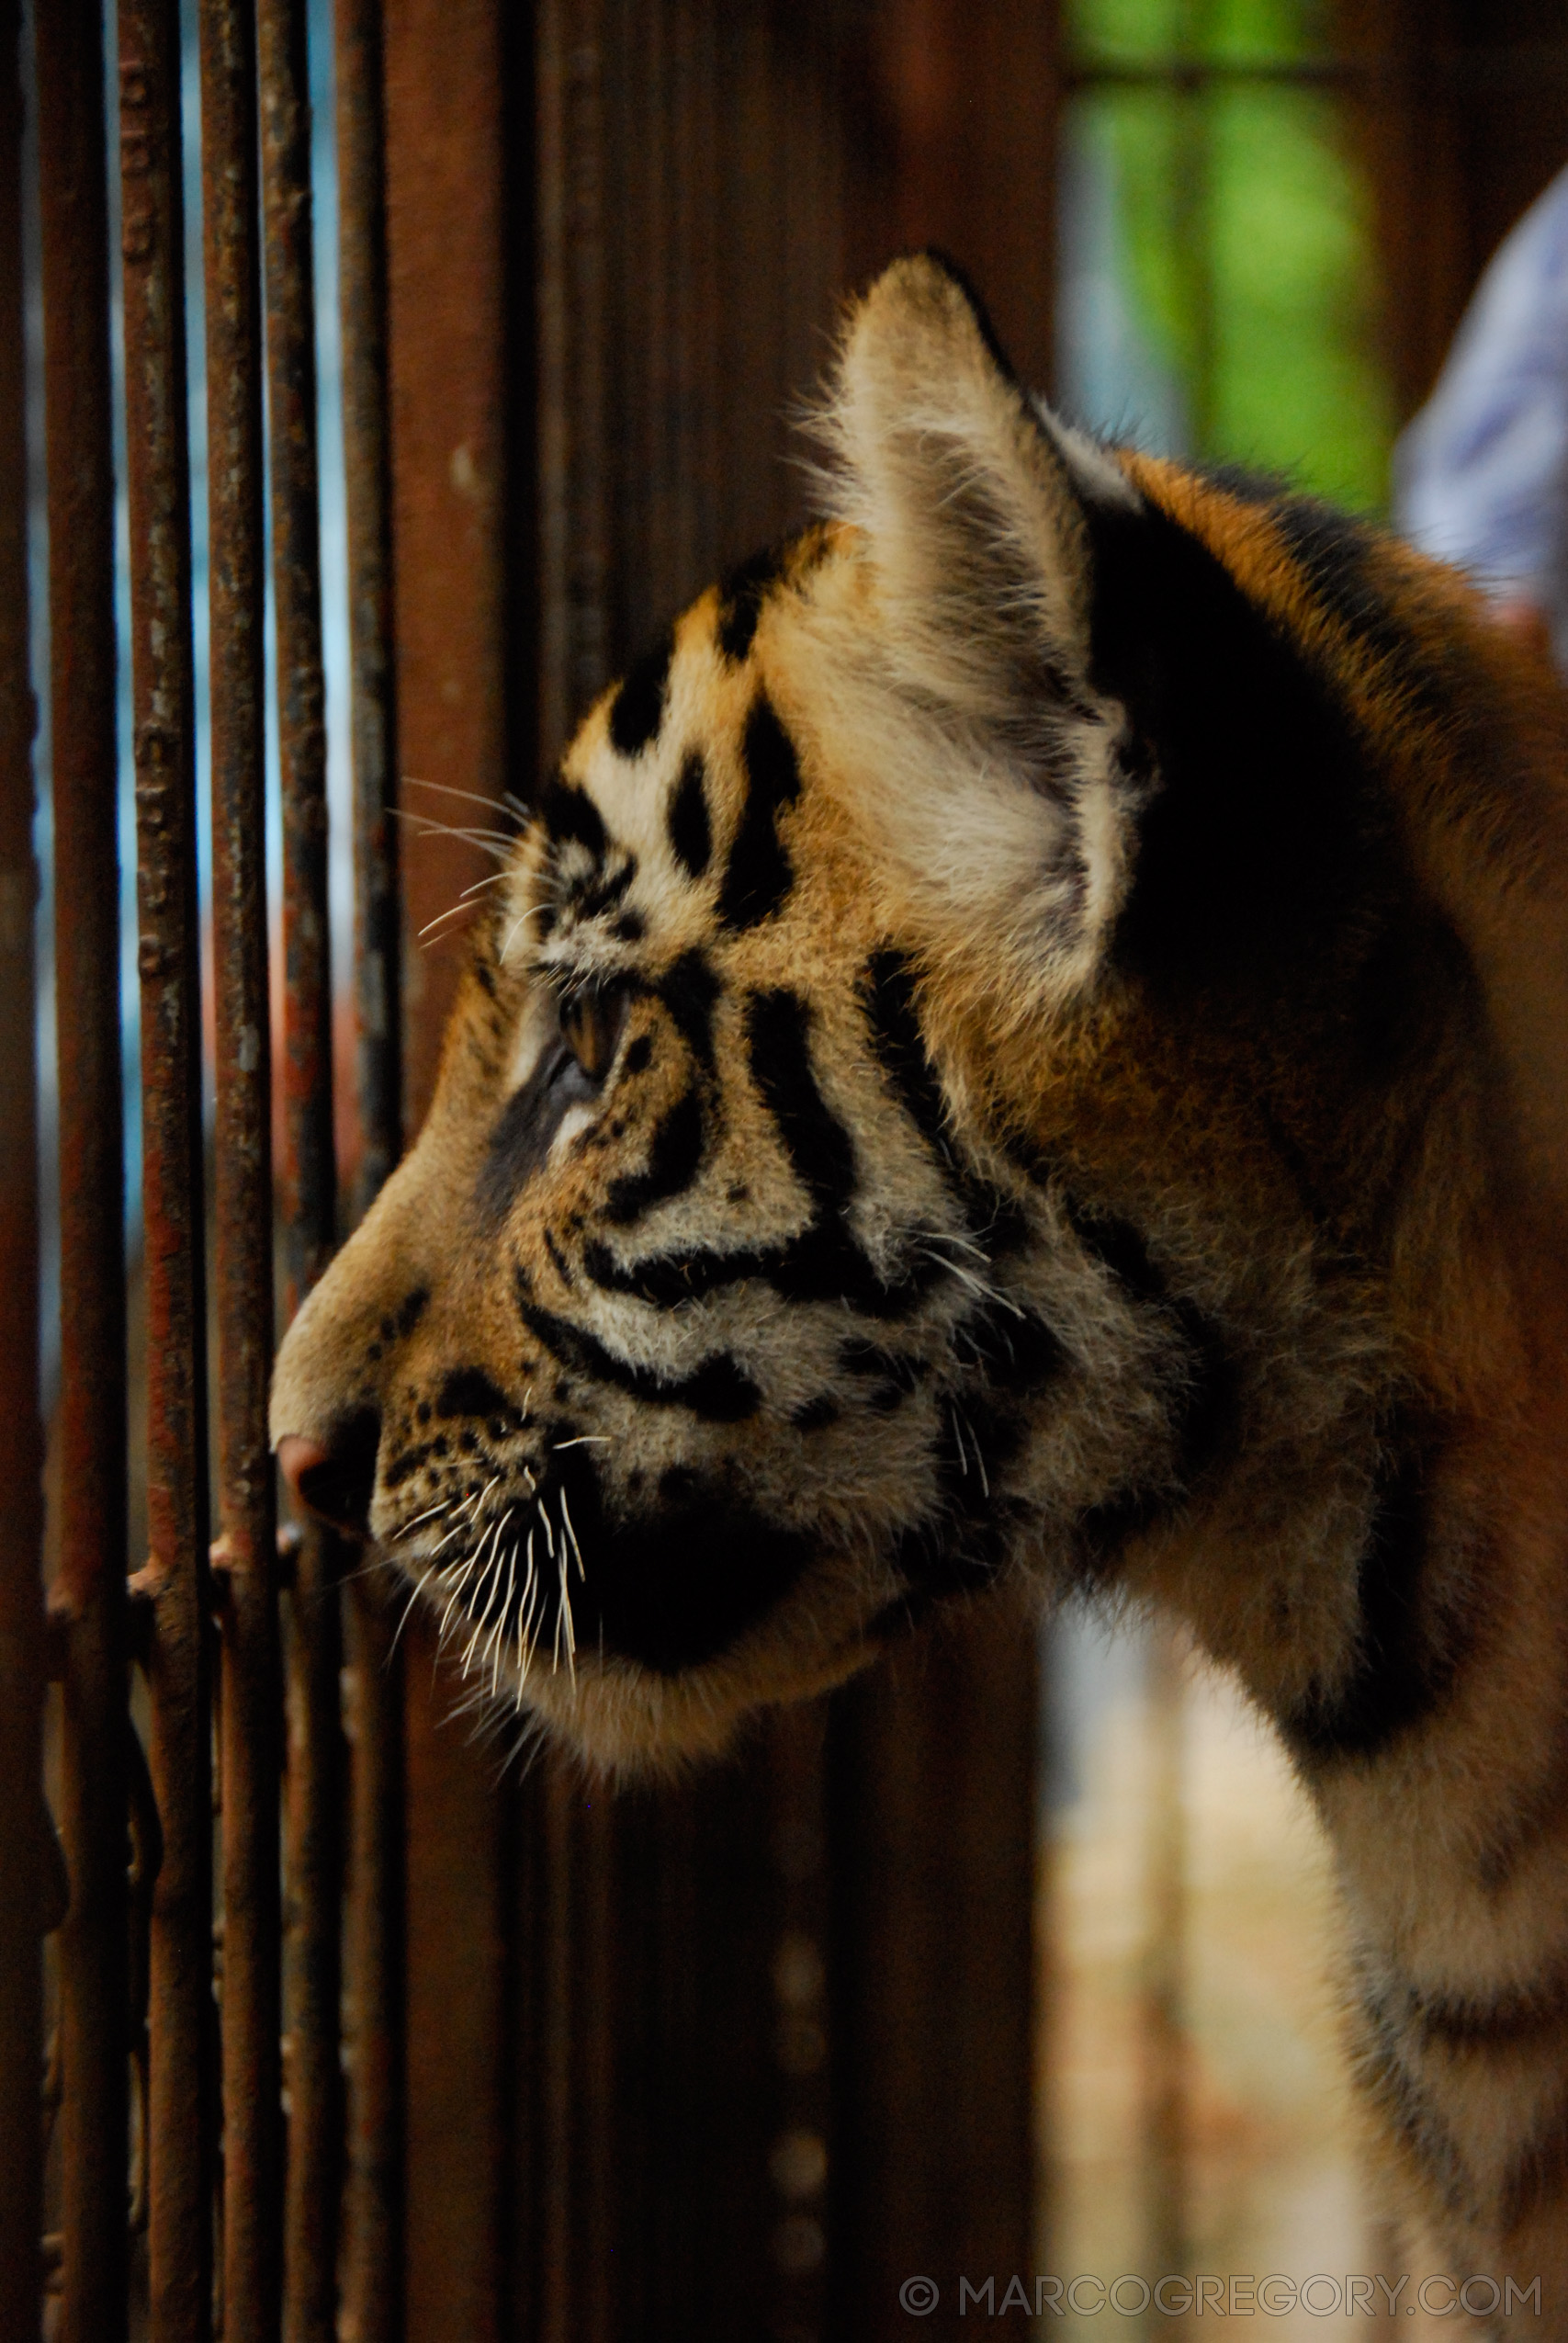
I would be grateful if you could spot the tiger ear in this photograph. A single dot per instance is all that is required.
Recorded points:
(955, 682)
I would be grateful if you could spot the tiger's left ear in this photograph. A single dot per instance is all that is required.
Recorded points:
(948, 671)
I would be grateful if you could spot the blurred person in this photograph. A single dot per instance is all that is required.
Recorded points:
(1481, 476)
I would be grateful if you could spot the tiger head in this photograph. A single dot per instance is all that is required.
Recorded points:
(934, 1093)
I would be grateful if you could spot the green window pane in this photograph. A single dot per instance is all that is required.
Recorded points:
(1253, 32)
(1218, 266)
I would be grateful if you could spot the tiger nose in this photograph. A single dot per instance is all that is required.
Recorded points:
(335, 1482)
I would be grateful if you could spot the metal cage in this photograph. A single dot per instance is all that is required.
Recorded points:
(337, 2035)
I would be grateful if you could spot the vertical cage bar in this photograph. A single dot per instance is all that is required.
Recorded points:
(249, 1713)
(313, 1772)
(90, 1592)
(182, 2105)
(362, 227)
(22, 1841)
(373, 2258)
(373, 2290)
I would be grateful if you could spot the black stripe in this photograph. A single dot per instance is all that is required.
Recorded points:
(637, 708)
(820, 1150)
(689, 990)
(1119, 1248)
(570, 816)
(1403, 1660)
(1537, 2174)
(1202, 1414)
(468, 1391)
(742, 595)
(1206, 1403)
(815, 1415)
(691, 833)
(1515, 2013)
(760, 874)
(674, 1155)
(596, 894)
(824, 1263)
(888, 988)
(718, 1390)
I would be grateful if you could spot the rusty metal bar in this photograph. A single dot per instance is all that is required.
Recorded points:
(90, 1591)
(373, 2276)
(182, 2103)
(314, 1771)
(22, 1837)
(250, 1711)
(312, 1966)
(362, 222)
(373, 2261)
(308, 1201)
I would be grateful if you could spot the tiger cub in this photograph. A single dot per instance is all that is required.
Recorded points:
(1029, 1035)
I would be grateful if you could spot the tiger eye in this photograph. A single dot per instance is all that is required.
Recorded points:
(591, 1027)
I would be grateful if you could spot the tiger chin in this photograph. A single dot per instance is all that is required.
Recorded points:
(1028, 1038)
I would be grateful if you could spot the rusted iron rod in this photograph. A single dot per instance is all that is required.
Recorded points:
(313, 1973)
(22, 1836)
(315, 1770)
(373, 2295)
(182, 2103)
(250, 1711)
(373, 2261)
(368, 481)
(308, 1199)
(90, 1591)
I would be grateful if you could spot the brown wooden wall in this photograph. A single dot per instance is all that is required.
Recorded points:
(618, 238)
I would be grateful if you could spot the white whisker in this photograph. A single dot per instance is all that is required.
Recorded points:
(473, 796)
(494, 1645)
(456, 912)
(488, 1585)
(564, 1615)
(465, 1572)
(419, 1587)
(443, 1506)
(521, 921)
(494, 843)
(569, 1526)
(526, 1620)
